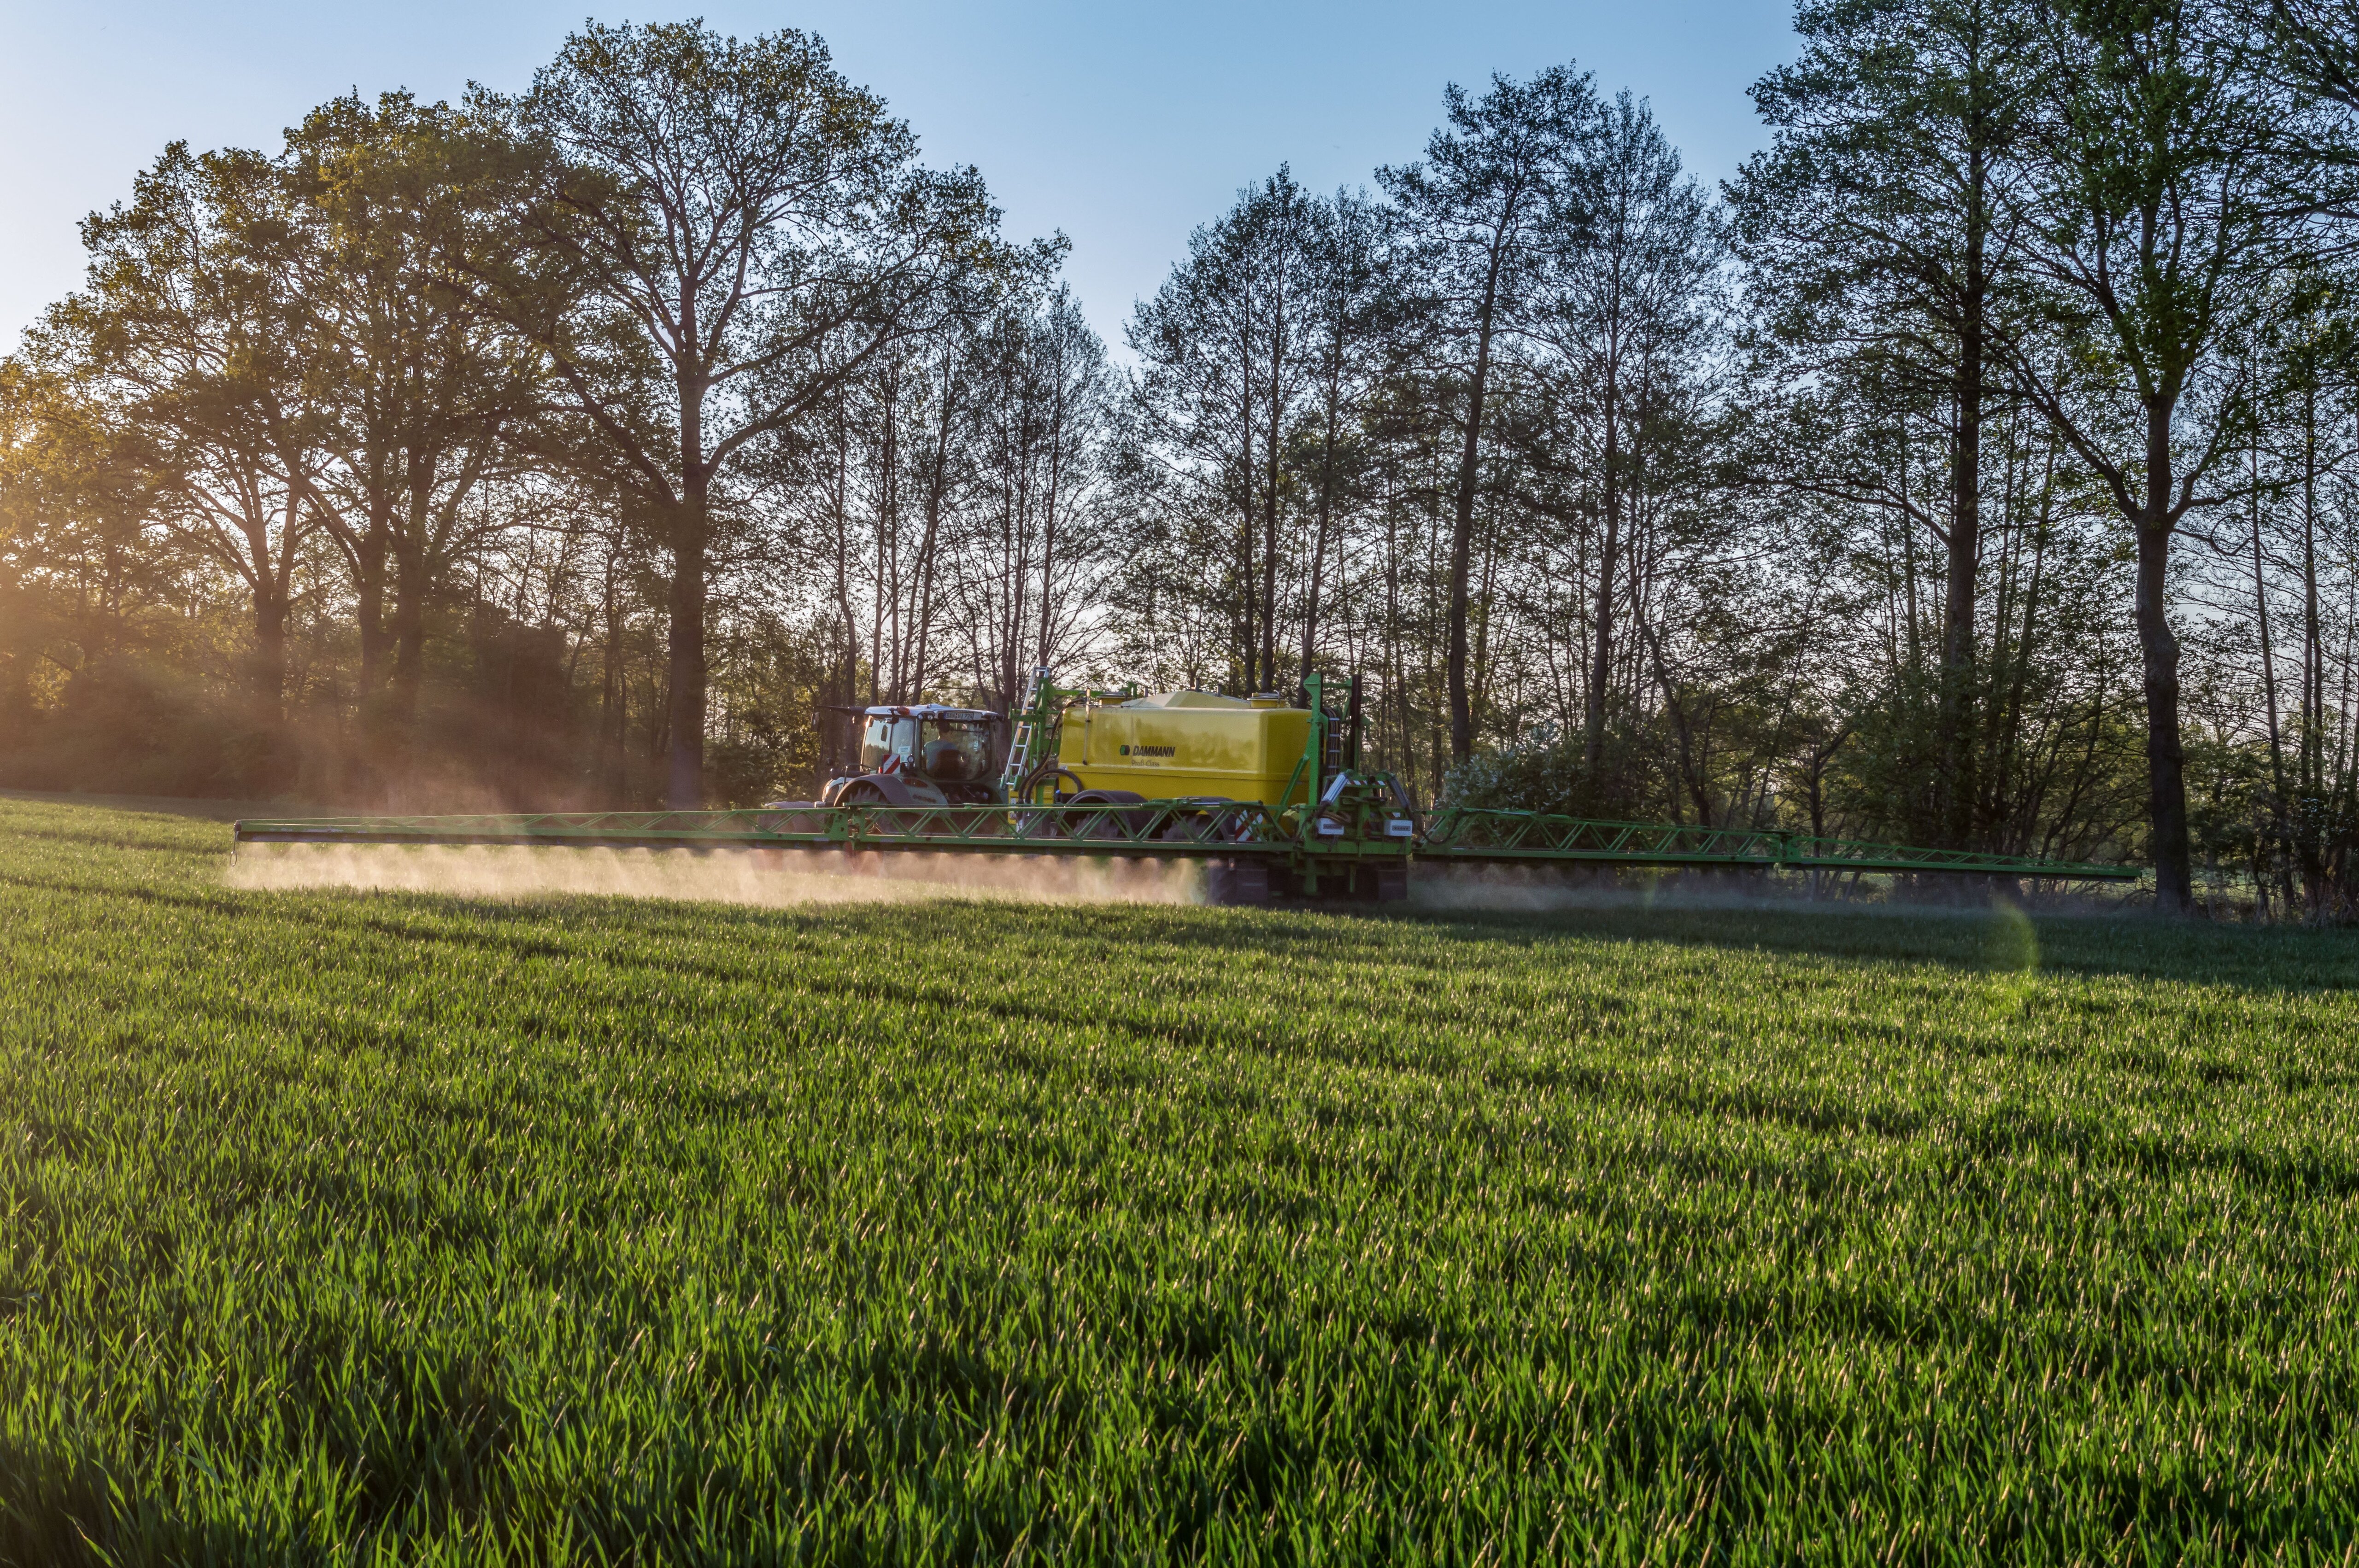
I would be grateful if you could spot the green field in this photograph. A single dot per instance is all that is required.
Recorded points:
(396, 1228)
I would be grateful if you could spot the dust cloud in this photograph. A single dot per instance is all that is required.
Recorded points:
(780, 878)
(772, 878)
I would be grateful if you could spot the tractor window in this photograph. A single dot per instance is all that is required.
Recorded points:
(956, 749)
(881, 738)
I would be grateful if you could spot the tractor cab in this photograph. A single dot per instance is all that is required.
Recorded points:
(920, 754)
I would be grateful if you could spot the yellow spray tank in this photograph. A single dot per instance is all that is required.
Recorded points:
(1181, 746)
(1235, 770)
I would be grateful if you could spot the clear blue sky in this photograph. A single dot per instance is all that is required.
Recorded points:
(1123, 125)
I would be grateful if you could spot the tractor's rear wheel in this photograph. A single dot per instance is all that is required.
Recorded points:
(1119, 825)
(1236, 881)
(1062, 787)
(1197, 821)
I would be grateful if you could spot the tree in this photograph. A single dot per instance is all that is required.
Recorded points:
(753, 229)
(1226, 363)
(1623, 299)
(1480, 208)
(2315, 49)
(2149, 211)
(191, 330)
(1345, 329)
(1881, 225)
(1042, 397)
(82, 566)
(425, 381)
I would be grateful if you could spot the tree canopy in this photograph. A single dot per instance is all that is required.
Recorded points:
(1975, 468)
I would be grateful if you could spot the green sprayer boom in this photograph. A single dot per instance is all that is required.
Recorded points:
(1268, 796)
(1520, 836)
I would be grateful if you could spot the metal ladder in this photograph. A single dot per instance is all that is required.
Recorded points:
(1019, 749)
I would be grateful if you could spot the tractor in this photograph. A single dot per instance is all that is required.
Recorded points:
(920, 754)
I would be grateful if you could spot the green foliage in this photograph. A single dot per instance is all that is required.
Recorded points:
(1543, 770)
(768, 688)
(367, 1228)
(140, 727)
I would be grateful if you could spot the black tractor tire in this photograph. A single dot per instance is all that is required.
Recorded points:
(1188, 826)
(1236, 881)
(1135, 821)
(873, 789)
(1062, 787)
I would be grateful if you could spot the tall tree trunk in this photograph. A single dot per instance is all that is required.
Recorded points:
(1690, 775)
(368, 595)
(408, 635)
(684, 789)
(937, 486)
(1051, 498)
(2174, 871)
(413, 568)
(269, 661)
(1954, 726)
(1016, 558)
(847, 627)
(1272, 442)
(1248, 644)
(614, 697)
(2268, 665)
(1601, 666)
(1479, 668)
(2313, 658)
(1462, 527)
(876, 619)
(1326, 514)
(272, 577)
(2010, 721)
(378, 753)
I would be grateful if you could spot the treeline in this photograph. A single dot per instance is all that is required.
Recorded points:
(1975, 468)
